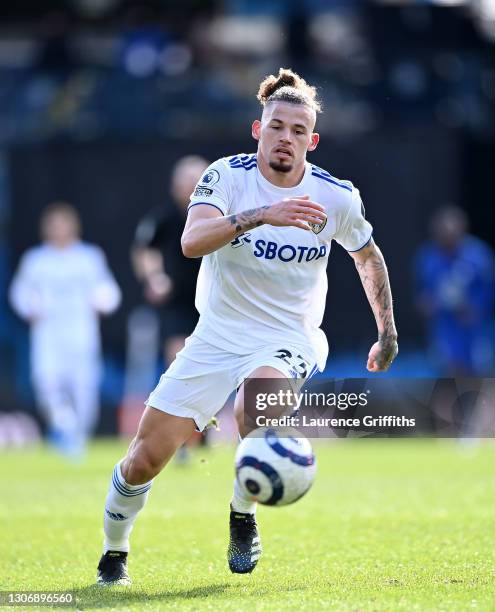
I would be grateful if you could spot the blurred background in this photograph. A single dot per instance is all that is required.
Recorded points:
(100, 98)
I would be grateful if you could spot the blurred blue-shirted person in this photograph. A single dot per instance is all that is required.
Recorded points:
(455, 285)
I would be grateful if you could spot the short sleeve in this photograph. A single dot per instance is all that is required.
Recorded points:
(354, 231)
(214, 188)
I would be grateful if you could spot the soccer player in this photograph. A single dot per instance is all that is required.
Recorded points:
(169, 278)
(263, 224)
(61, 288)
(455, 281)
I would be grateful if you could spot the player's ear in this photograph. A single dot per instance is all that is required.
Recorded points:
(256, 129)
(315, 139)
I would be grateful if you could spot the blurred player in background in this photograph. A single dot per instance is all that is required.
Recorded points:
(263, 224)
(169, 278)
(61, 288)
(455, 285)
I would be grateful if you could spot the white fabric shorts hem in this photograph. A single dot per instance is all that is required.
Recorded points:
(155, 402)
(202, 377)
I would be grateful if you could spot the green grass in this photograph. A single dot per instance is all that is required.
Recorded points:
(389, 525)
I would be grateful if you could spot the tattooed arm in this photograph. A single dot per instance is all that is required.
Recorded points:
(374, 277)
(207, 230)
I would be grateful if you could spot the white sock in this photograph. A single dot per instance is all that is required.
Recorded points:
(240, 503)
(122, 505)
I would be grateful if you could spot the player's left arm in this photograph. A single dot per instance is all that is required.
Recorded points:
(372, 270)
(152, 232)
(105, 296)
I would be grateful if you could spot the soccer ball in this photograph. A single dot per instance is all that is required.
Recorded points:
(275, 467)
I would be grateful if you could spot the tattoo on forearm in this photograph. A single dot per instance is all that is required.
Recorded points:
(248, 219)
(374, 277)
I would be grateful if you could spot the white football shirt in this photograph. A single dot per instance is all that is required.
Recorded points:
(269, 284)
(62, 291)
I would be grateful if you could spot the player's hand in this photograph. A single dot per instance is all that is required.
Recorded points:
(382, 353)
(158, 288)
(296, 212)
(36, 309)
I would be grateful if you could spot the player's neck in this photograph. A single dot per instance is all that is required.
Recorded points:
(281, 179)
(61, 245)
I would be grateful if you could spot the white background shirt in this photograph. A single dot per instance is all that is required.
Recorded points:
(269, 285)
(62, 292)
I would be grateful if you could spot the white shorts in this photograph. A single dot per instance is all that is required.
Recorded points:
(201, 378)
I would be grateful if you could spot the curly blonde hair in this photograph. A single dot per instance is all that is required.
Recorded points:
(288, 86)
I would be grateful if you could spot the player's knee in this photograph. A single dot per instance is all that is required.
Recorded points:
(141, 465)
(246, 422)
(243, 425)
(240, 418)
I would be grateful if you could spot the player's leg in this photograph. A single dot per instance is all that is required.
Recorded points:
(54, 402)
(179, 320)
(244, 548)
(266, 379)
(245, 422)
(190, 392)
(273, 370)
(84, 384)
(158, 437)
(44, 380)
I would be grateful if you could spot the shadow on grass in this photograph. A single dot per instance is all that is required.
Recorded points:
(94, 596)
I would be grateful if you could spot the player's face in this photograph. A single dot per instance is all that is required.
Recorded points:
(184, 181)
(448, 230)
(60, 229)
(285, 135)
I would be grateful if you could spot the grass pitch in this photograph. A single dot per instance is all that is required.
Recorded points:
(389, 525)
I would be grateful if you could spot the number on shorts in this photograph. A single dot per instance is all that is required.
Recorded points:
(299, 367)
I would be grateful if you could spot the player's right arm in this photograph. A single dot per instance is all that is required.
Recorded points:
(24, 295)
(209, 225)
(207, 229)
